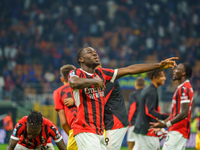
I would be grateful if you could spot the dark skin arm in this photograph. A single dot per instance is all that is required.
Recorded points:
(178, 118)
(140, 68)
(63, 121)
(11, 145)
(81, 83)
(61, 145)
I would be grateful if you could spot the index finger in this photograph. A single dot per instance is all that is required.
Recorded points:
(173, 58)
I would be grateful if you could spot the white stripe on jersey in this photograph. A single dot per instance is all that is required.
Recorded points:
(76, 97)
(185, 101)
(114, 76)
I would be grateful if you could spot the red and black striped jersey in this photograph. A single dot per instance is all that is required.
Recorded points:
(48, 130)
(59, 95)
(90, 101)
(183, 94)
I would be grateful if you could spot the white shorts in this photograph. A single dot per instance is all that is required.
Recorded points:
(90, 141)
(20, 147)
(131, 134)
(114, 138)
(175, 141)
(144, 142)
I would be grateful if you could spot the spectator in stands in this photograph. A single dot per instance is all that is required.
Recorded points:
(8, 126)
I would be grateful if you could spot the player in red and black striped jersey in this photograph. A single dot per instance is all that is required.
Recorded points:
(35, 132)
(179, 120)
(87, 85)
(64, 105)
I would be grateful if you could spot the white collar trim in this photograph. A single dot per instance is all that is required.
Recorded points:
(87, 72)
(183, 83)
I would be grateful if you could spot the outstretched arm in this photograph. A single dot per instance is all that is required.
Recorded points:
(140, 68)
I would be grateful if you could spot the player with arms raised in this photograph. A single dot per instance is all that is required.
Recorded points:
(88, 86)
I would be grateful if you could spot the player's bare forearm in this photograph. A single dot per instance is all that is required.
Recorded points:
(81, 83)
(182, 115)
(11, 145)
(136, 69)
(61, 145)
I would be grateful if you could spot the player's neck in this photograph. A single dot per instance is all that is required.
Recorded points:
(182, 80)
(155, 84)
(88, 69)
(65, 83)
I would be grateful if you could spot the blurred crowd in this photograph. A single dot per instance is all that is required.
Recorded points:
(37, 37)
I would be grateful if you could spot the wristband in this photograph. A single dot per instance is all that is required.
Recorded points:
(168, 124)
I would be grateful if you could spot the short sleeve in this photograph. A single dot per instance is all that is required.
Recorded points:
(19, 129)
(54, 133)
(185, 95)
(57, 101)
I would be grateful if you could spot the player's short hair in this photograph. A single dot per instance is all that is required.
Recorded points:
(154, 73)
(140, 81)
(64, 71)
(35, 118)
(79, 53)
(188, 70)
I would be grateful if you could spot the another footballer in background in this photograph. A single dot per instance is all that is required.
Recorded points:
(134, 99)
(179, 121)
(64, 105)
(35, 132)
(148, 112)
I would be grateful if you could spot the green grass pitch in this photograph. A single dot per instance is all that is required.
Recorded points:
(3, 147)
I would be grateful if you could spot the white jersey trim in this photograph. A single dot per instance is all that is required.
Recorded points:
(58, 140)
(14, 138)
(76, 97)
(183, 83)
(185, 101)
(114, 76)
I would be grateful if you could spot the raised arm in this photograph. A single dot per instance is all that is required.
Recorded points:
(80, 83)
(140, 68)
(11, 145)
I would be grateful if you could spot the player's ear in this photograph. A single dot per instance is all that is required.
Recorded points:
(81, 59)
(61, 78)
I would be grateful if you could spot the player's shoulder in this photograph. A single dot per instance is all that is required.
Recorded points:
(47, 122)
(58, 90)
(23, 119)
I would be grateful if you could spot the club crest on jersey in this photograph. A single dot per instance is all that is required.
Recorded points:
(72, 73)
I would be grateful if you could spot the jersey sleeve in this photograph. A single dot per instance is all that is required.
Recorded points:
(109, 74)
(54, 132)
(185, 95)
(57, 101)
(150, 107)
(73, 73)
(132, 106)
(19, 129)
